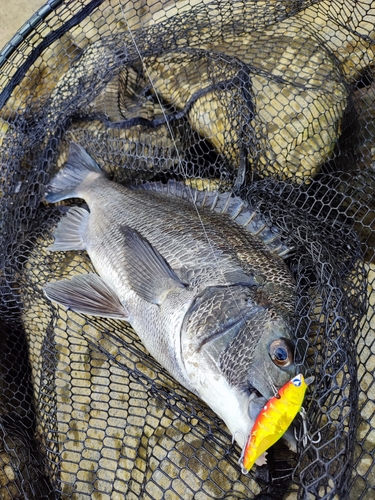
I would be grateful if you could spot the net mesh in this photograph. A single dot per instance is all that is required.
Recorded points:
(274, 101)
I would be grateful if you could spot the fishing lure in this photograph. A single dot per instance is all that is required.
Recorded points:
(274, 419)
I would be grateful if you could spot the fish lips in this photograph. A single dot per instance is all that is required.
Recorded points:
(256, 403)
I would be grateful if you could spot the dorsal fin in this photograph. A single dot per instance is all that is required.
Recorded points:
(234, 206)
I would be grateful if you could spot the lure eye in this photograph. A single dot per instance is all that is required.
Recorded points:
(281, 352)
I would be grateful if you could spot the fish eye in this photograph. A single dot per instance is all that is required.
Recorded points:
(281, 352)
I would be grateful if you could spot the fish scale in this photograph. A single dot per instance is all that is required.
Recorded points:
(221, 236)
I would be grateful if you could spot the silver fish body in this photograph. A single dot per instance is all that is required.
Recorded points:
(211, 301)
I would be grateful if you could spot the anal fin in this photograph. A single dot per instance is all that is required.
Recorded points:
(88, 294)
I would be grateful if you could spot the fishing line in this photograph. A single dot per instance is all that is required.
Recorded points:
(270, 380)
(184, 171)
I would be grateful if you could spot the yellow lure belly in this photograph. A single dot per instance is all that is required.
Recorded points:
(273, 420)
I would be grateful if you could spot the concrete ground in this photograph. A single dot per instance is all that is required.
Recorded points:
(13, 14)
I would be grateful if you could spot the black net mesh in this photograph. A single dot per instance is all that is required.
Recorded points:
(274, 101)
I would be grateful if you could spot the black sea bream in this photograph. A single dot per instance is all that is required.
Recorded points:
(211, 301)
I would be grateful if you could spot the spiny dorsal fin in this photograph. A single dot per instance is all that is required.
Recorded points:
(238, 209)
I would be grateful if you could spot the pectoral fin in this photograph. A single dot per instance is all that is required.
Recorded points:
(149, 274)
(87, 294)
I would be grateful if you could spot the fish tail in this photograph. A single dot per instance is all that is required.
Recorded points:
(79, 168)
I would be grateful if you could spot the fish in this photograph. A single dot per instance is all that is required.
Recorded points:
(274, 420)
(210, 300)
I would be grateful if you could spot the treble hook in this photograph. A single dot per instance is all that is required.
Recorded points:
(306, 438)
(240, 433)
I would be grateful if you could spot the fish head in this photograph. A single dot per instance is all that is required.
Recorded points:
(257, 362)
(238, 351)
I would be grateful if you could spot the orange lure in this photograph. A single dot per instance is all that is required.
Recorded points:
(274, 419)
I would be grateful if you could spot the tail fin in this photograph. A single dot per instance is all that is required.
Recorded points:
(65, 183)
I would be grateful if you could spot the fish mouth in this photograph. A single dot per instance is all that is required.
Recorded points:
(256, 403)
(252, 389)
(256, 393)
